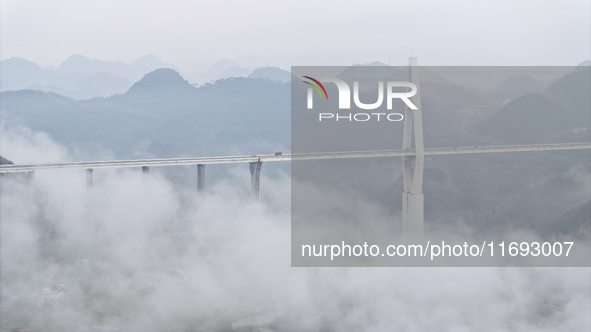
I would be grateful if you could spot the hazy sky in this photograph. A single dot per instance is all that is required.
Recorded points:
(195, 34)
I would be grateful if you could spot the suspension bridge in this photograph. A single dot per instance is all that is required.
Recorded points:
(413, 154)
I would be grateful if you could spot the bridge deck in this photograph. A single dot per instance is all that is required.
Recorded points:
(289, 157)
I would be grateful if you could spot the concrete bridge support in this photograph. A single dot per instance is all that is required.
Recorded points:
(89, 177)
(255, 179)
(200, 177)
(145, 172)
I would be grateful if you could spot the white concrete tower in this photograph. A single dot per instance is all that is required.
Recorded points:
(412, 197)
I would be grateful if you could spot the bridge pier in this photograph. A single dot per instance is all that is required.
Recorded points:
(89, 177)
(255, 179)
(30, 176)
(200, 178)
(145, 172)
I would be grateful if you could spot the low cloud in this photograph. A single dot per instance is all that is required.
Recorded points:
(143, 255)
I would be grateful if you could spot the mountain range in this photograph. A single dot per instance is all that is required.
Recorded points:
(80, 77)
(163, 115)
(232, 116)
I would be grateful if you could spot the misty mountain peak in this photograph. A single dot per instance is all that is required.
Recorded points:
(17, 61)
(81, 65)
(78, 62)
(163, 80)
(149, 63)
(150, 58)
(271, 73)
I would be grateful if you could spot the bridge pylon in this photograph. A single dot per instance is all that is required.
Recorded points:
(255, 179)
(413, 166)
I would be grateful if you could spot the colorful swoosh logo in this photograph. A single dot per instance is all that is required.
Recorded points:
(316, 87)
